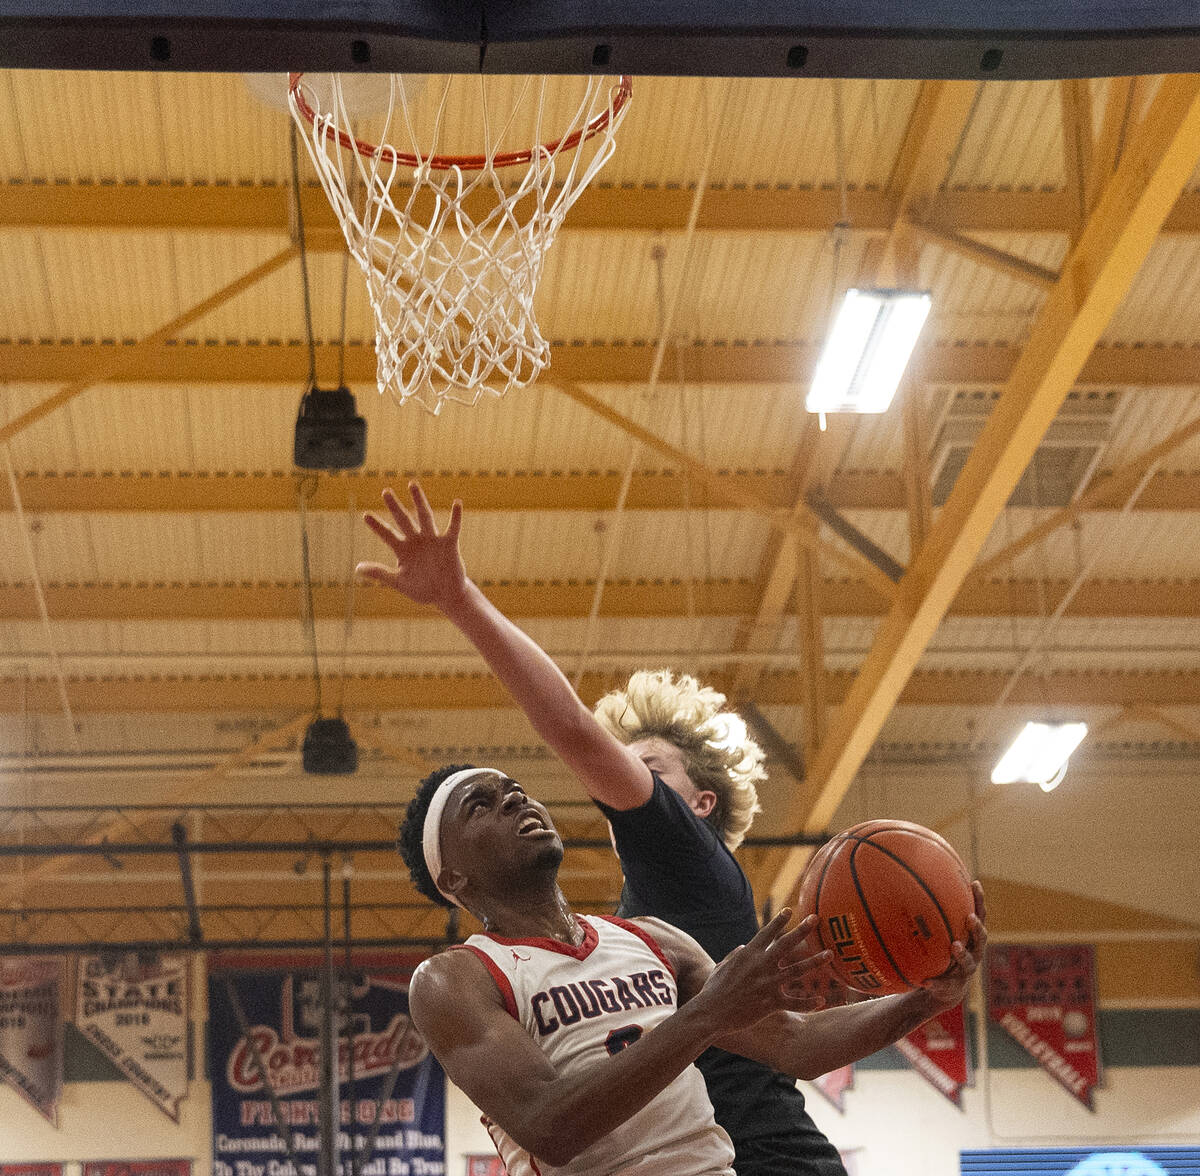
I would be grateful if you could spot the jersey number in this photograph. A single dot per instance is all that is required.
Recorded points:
(620, 1039)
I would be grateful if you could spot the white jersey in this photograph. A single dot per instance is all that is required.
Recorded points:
(583, 1003)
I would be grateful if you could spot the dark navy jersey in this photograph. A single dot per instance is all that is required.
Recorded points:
(679, 870)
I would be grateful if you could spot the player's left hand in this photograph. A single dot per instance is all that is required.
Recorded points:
(950, 987)
(765, 976)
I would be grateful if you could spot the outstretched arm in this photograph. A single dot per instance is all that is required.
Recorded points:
(490, 1057)
(809, 1045)
(429, 570)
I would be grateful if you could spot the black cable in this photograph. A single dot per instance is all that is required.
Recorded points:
(308, 326)
(309, 619)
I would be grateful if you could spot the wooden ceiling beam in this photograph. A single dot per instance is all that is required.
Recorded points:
(271, 491)
(568, 600)
(1075, 100)
(241, 491)
(268, 601)
(1113, 243)
(740, 362)
(206, 694)
(233, 208)
(995, 259)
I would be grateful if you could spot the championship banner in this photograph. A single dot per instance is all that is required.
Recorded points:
(31, 1030)
(834, 1086)
(134, 1008)
(137, 1168)
(938, 1052)
(31, 1170)
(283, 1012)
(1045, 998)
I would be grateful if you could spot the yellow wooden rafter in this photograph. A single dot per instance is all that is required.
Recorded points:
(1112, 246)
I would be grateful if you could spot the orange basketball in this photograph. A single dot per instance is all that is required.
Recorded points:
(891, 898)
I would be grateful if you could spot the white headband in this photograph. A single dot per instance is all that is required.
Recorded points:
(431, 832)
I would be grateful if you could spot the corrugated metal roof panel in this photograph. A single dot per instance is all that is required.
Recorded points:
(122, 285)
(1072, 643)
(878, 441)
(734, 285)
(396, 646)
(249, 428)
(63, 546)
(846, 639)
(1141, 545)
(186, 128)
(101, 127)
(973, 302)
(1014, 139)
(1147, 416)
(776, 131)
(1160, 306)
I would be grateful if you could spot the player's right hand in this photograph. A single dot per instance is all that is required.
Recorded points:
(428, 568)
(767, 975)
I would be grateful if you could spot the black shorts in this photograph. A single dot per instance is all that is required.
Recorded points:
(793, 1154)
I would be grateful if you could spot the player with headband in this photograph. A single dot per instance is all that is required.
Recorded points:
(533, 1018)
(675, 775)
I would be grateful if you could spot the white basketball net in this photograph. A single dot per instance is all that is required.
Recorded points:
(453, 258)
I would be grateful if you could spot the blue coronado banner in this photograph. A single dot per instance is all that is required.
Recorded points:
(1100, 1161)
(283, 1011)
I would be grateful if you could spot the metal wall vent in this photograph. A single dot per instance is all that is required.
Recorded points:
(1064, 460)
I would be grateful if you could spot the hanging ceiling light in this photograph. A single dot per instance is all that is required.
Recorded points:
(1039, 754)
(867, 350)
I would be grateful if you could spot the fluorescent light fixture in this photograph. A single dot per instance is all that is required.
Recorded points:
(1039, 754)
(867, 350)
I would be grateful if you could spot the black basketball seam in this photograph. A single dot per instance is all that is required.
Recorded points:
(865, 839)
(817, 896)
(917, 877)
(913, 831)
(925, 835)
(862, 898)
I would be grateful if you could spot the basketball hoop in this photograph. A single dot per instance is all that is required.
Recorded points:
(452, 255)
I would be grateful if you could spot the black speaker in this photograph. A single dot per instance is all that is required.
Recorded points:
(330, 435)
(329, 749)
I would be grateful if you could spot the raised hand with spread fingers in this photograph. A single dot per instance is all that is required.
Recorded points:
(429, 567)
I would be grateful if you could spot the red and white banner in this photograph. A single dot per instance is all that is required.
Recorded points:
(31, 1030)
(834, 1086)
(938, 1052)
(1045, 998)
(134, 1008)
(137, 1168)
(31, 1170)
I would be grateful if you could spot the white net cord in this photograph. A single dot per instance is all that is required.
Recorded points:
(452, 271)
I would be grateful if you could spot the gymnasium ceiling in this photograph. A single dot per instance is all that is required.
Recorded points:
(1058, 228)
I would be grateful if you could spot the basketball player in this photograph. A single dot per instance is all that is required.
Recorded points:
(574, 1035)
(674, 775)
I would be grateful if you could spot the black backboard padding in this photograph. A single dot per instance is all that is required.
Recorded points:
(763, 38)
